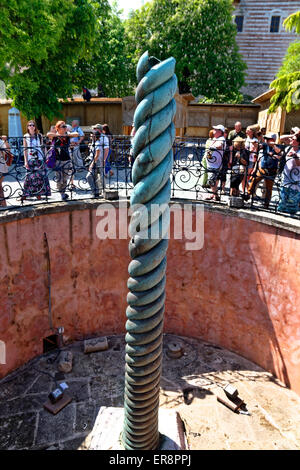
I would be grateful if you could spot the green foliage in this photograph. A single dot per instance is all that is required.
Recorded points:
(51, 48)
(40, 72)
(236, 98)
(28, 31)
(108, 66)
(292, 22)
(200, 34)
(287, 92)
(291, 62)
(287, 83)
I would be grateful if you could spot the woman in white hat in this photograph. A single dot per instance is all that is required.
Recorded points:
(214, 160)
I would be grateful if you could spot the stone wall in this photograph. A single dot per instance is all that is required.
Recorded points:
(241, 291)
(262, 50)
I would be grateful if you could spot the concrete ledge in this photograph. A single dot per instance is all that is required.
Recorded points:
(263, 217)
(169, 425)
(272, 219)
(36, 210)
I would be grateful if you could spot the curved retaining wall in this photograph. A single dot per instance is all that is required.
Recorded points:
(240, 291)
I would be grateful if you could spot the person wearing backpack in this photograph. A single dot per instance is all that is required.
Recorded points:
(36, 181)
(265, 168)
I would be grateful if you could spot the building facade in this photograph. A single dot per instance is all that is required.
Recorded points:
(262, 39)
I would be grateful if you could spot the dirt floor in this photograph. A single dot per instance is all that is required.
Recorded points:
(189, 384)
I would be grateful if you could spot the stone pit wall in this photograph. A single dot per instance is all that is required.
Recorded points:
(240, 291)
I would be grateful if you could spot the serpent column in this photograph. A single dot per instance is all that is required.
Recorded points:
(152, 150)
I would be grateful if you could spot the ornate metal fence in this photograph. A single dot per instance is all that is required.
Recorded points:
(191, 177)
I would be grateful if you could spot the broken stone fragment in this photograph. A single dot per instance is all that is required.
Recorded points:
(66, 362)
(95, 344)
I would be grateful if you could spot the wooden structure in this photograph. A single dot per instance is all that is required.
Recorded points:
(279, 122)
(195, 120)
(182, 101)
(201, 117)
(98, 110)
(262, 39)
(191, 120)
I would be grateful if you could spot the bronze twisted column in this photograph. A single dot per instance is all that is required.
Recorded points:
(152, 150)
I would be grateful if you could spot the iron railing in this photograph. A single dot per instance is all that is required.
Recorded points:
(191, 178)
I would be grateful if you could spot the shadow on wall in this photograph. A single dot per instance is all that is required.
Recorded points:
(240, 291)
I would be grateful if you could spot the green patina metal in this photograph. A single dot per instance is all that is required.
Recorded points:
(152, 150)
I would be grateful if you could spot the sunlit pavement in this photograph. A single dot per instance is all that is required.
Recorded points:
(189, 385)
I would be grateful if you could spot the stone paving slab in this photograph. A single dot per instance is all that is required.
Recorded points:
(169, 426)
(189, 386)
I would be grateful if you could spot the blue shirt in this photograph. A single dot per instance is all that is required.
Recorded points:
(267, 162)
(80, 132)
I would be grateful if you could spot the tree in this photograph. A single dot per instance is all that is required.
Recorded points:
(28, 33)
(292, 22)
(107, 67)
(287, 83)
(200, 34)
(37, 77)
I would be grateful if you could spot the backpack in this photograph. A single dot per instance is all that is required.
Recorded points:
(51, 156)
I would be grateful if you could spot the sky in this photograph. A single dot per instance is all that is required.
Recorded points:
(127, 5)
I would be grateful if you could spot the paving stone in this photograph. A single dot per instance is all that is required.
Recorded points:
(97, 380)
(108, 391)
(112, 418)
(43, 383)
(86, 414)
(17, 384)
(84, 365)
(17, 432)
(78, 389)
(23, 404)
(78, 443)
(54, 428)
(99, 363)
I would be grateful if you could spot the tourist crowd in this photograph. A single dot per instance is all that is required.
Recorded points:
(252, 157)
(236, 159)
(62, 153)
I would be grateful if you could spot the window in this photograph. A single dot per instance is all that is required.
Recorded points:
(239, 21)
(275, 23)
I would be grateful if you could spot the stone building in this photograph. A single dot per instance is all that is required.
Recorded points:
(262, 39)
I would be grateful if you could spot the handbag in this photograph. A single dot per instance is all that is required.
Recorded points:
(51, 158)
(8, 157)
